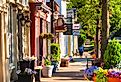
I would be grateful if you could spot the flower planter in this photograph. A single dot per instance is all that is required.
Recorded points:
(47, 71)
(64, 63)
(94, 79)
(25, 78)
(26, 64)
(110, 79)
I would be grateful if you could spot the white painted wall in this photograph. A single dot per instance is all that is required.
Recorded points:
(64, 38)
(63, 7)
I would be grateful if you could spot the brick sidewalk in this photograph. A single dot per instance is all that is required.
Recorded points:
(68, 74)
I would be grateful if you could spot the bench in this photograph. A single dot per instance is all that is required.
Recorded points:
(92, 61)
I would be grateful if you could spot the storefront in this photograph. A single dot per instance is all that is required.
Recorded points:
(39, 15)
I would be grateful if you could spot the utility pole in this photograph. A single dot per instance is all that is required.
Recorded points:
(105, 27)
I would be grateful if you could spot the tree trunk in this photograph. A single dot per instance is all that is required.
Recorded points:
(97, 39)
(105, 27)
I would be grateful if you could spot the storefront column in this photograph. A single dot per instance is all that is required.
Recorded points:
(1, 52)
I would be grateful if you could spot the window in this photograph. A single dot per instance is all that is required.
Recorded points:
(25, 2)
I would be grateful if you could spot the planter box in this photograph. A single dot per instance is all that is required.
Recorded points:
(110, 79)
(113, 79)
(64, 63)
(25, 78)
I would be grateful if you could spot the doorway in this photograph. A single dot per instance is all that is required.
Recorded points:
(41, 41)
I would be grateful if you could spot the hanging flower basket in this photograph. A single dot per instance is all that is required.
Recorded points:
(42, 35)
(50, 36)
(46, 36)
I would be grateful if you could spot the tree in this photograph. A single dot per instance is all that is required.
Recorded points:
(105, 27)
(88, 11)
(87, 15)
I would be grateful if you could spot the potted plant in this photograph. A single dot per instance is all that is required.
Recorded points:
(47, 68)
(27, 62)
(101, 75)
(26, 75)
(114, 76)
(55, 55)
(89, 73)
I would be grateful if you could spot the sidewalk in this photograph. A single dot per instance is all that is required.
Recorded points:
(69, 74)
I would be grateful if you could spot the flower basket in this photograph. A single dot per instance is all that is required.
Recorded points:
(46, 35)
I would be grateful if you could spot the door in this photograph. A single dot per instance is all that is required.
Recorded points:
(41, 42)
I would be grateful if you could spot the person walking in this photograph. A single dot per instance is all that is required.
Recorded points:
(81, 50)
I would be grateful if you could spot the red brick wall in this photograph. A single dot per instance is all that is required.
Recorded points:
(35, 31)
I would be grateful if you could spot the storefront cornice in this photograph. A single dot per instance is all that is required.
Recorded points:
(26, 9)
(42, 6)
(3, 8)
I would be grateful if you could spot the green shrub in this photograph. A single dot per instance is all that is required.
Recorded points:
(55, 53)
(112, 55)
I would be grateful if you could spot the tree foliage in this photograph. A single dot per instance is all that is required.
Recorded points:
(115, 18)
(88, 11)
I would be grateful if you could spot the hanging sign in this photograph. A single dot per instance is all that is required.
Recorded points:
(76, 32)
(76, 26)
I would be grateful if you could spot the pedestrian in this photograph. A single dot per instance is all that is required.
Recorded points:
(81, 50)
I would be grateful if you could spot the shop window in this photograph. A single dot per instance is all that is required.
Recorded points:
(25, 2)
